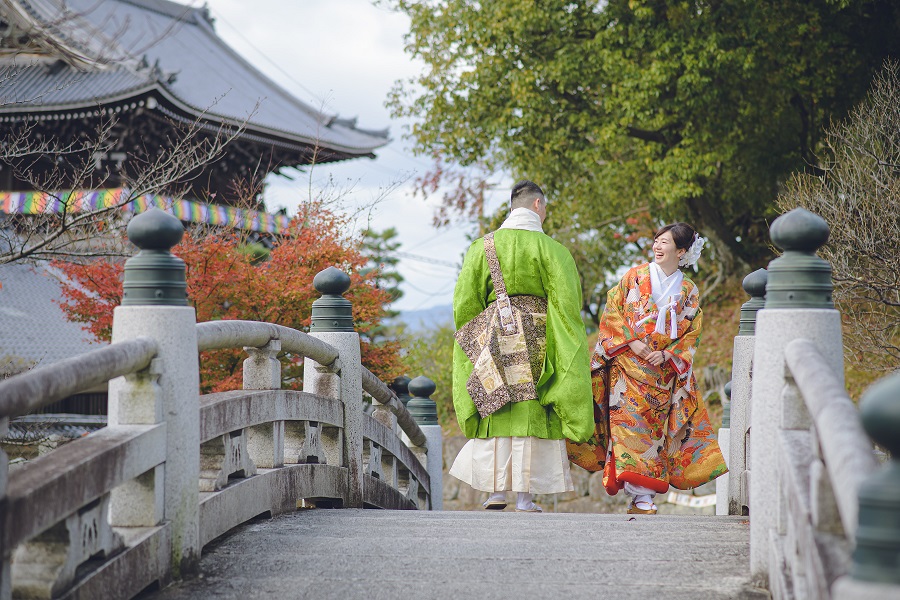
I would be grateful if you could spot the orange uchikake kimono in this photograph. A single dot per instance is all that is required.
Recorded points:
(656, 420)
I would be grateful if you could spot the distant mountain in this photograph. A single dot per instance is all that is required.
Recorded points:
(418, 320)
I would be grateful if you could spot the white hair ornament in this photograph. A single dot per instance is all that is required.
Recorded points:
(692, 255)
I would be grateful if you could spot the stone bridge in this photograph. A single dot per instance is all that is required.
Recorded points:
(263, 491)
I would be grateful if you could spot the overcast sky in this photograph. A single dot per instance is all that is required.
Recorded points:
(345, 55)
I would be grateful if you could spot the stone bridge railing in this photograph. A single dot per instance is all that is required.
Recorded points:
(133, 504)
(824, 522)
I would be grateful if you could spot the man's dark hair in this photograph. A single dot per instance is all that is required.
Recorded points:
(682, 234)
(524, 193)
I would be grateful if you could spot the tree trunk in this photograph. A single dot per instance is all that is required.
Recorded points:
(726, 250)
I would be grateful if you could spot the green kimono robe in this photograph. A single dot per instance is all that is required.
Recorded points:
(532, 264)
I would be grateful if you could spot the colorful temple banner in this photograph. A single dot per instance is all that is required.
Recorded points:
(33, 203)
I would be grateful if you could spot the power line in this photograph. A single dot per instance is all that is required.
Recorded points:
(265, 57)
(426, 259)
(446, 289)
(451, 228)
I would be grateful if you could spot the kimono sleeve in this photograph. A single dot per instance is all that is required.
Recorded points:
(614, 331)
(469, 299)
(566, 382)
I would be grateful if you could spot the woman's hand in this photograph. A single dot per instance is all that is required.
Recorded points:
(639, 348)
(657, 358)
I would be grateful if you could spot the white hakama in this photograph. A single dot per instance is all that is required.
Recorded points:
(518, 464)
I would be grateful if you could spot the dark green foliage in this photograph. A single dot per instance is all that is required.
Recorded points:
(697, 110)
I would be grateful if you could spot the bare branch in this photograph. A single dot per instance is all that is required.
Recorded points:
(858, 194)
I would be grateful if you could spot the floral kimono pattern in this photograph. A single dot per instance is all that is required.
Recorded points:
(652, 427)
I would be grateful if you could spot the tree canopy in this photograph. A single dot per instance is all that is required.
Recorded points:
(670, 109)
(226, 282)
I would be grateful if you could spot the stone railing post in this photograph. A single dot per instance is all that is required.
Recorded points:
(5, 553)
(424, 410)
(262, 371)
(155, 305)
(724, 437)
(332, 322)
(384, 415)
(875, 572)
(798, 305)
(741, 368)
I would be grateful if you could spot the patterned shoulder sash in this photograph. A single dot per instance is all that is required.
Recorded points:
(506, 343)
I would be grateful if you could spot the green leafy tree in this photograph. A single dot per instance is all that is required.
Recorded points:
(430, 353)
(380, 247)
(674, 109)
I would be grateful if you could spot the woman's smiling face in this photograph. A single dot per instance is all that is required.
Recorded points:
(665, 254)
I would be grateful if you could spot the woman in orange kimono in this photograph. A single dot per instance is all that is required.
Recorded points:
(653, 429)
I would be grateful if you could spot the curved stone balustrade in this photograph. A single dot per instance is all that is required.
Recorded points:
(215, 335)
(840, 439)
(41, 386)
(383, 394)
(56, 508)
(173, 470)
(57, 520)
(119, 496)
(811, 498)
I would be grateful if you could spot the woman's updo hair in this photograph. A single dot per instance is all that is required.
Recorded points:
(682, 234)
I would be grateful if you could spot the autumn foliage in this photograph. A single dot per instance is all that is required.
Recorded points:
(225, 283)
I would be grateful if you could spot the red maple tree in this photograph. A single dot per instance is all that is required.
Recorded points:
(224, 282)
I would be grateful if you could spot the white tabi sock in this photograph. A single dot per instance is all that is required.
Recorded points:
(524, 501)
(646, 498)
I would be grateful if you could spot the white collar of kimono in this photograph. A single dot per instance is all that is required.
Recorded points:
(523, 218)
(666, 292)
(662, 285)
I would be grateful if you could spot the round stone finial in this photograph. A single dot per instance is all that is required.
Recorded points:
(728, 390)
(877, 551)
(755, 283)
(799, 279)
(332, 312)
(155, 276)
(331, 282)
(799, 230)
(422, 387)
(422, 408)
(155, 229)
(879, 410)
(400, 385)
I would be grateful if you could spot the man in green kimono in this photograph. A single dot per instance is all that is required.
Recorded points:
(520, 446)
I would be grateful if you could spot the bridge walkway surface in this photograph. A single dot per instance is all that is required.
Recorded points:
(375, 554)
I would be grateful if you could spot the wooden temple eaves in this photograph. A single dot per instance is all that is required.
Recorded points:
(155, 67)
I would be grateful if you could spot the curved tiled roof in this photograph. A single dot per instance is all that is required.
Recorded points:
(33, 328)
(173, 50)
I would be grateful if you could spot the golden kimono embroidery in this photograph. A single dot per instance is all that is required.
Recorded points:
(652, 427)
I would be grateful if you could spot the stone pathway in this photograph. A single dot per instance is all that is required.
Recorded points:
(374, 554)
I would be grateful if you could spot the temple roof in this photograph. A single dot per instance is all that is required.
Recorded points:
(84, 54)
(33, 328)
